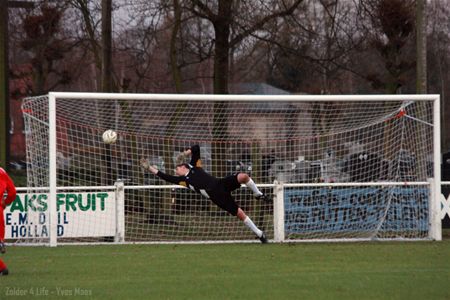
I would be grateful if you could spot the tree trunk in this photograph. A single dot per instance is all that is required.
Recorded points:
(221, 59)
(421, 46)
(176, 74)
(106, 47)
(222, 24)
(106, 84)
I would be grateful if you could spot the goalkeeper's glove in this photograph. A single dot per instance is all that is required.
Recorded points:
(145, 164)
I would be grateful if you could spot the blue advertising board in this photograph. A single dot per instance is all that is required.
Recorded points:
(388, 209)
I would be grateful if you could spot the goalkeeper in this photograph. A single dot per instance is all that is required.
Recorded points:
(217, 190)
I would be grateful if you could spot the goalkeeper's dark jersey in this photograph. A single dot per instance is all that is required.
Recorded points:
(197, 179)
(217, 190)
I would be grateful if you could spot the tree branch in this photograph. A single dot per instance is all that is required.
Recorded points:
(206, 12)
(282, 13)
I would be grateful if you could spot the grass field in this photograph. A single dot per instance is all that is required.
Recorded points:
(378, 270)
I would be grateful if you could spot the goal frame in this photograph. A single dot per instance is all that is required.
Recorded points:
(434, 183)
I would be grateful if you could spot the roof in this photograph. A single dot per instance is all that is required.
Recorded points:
(261, 88)
(256, 88)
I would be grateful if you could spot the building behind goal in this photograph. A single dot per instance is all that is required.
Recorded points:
(338, 167)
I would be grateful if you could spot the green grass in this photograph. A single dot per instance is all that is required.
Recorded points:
(384, 270)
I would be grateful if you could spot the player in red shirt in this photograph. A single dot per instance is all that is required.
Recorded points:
(6, 185)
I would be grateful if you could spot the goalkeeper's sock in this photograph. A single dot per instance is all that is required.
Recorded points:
(251, 185)
(253, 227)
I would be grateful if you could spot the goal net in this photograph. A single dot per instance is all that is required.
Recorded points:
(336, 167)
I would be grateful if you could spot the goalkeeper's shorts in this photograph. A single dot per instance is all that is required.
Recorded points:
(221, 195)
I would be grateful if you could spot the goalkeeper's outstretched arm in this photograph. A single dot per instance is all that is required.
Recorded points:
(180, 180)
(194, 152)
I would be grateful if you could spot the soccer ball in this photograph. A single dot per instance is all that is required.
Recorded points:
(109, 136)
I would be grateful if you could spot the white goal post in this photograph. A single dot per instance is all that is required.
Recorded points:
(338, 167)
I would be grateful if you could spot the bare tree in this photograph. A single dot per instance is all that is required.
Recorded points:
(93, 33)
(389, 32)
(46, 46)
(311, 52)
(230, 28)
(88, 27)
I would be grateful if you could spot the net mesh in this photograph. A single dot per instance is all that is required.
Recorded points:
(290, 141)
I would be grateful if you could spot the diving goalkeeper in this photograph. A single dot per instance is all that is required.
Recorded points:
(218, 190)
